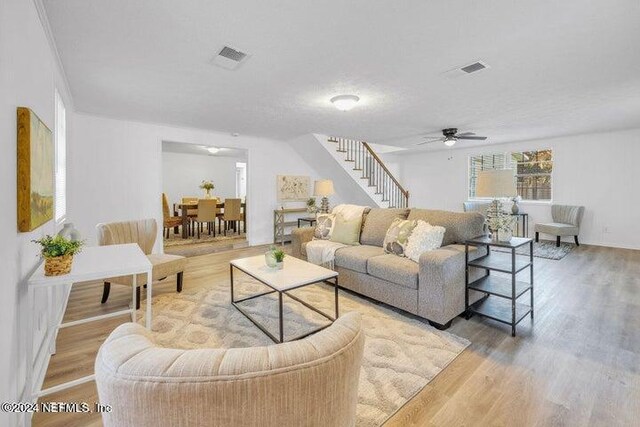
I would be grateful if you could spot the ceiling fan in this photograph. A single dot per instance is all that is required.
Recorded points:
(451, 136)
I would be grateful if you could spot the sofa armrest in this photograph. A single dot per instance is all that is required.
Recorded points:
(441, 286)
(298, 237)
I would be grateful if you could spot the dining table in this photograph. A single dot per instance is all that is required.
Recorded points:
(184, 209)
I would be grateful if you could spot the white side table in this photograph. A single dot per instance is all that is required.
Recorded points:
(93, 263)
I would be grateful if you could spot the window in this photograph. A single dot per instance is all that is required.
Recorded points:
(533, 171)
(61, 158)
(533, 174)
(482, 163)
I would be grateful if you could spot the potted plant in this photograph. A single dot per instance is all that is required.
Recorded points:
(58, 252)
(279, 255)
(501, 225)
(207, 186)
(311, 205)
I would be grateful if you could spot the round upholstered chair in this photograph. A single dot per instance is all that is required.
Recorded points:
(309, 382)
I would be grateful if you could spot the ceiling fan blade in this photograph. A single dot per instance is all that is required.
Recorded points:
(429, 141)
(464, 133)
(475, 138)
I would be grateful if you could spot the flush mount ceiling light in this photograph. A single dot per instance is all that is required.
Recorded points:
(345, 102)
(450, 141)
(213, 150)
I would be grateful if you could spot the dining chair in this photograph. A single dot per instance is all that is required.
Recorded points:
(207, 210)
(168, 221)
(191, 213)
(232, 213)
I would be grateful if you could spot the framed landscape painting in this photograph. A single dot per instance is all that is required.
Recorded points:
(36, 157)
(293, 188)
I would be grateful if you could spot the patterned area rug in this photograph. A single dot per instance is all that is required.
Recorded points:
(543, 249)
(401, 354)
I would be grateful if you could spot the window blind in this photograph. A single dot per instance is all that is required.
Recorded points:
(61, 158)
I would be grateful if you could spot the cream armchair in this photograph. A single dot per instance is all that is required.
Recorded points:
(144, 233)
(309, 382)
(566, 222)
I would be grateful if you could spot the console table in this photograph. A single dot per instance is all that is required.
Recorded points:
(281, 221)
(93, 263)
(502, 293)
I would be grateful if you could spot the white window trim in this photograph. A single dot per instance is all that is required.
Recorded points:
(59, 220)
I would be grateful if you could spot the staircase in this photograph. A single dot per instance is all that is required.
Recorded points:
(365, 166)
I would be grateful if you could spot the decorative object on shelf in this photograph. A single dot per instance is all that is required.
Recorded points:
(279, 256)
(293, 188)
(207, 186)
(515, 208)
(311, 205)
(270, 257)
(58, 253)
(324, 188)
(69, 232)
(497, 184)
(36, 157)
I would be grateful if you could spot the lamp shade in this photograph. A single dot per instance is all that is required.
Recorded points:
(323, 188)
(496, 183)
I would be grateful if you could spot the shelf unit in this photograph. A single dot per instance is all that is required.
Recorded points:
(283, 220)
(501, 293)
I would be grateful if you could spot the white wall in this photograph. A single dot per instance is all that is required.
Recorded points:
(115, 172)
(183, 173)
(28, 77)
(598, 171)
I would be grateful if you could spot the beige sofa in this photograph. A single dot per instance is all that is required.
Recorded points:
(433, 288)
(310, 382)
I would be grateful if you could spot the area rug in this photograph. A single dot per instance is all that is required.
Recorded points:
(177, 240)
(401, 354)
(543, 249)
(203, 246)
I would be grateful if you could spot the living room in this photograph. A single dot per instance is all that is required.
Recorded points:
(384, 111)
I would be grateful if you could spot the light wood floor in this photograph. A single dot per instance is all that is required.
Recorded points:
(579, 365)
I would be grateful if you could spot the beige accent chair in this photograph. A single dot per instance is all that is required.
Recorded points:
(207, 211)
(309, 382)
(191, 213)
(232, 213)
(168, 221)
(566, 222)
(144, 233)
(476, 206)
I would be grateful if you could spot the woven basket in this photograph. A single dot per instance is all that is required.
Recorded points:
(57, 266)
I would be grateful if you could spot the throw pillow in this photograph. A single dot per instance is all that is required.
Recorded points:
(425, 237)
(397, 236)
(324, 226)
(346, 231)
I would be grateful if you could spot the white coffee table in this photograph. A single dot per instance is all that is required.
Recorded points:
(295, 274)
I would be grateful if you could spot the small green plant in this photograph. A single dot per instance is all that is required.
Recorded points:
(279, 255)
(207, 185)
(57, 246)
(311, 202)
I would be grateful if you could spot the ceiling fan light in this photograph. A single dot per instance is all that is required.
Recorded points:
(345, 102)
(450, 141)
(213, 150)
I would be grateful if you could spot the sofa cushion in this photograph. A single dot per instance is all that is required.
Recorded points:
(394, 269)
(377, 223)
(355, 257)
(459, 226)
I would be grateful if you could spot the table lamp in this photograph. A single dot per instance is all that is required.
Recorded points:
(496, 184)
(323, 188)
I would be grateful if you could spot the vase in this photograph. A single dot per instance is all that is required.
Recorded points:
(505, 234)
(270, 259)
(515, 208)
(69, 232)
(207, 193)
(57, 266)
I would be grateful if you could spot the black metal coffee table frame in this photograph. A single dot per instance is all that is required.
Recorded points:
(235, 303)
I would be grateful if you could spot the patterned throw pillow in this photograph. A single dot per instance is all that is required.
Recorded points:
(397, 236)
(324, 226)
(425, 237)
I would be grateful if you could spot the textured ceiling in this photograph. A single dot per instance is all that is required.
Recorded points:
(557, 67)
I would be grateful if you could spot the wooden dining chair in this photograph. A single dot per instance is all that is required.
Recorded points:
(207, 210)
(232, 214)
(168, 221)
(191, 213)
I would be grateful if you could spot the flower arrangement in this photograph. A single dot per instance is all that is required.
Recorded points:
(207, 185)
(311, 205)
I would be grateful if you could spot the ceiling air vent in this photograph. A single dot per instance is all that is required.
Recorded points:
(466, 70)
(229, 58)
